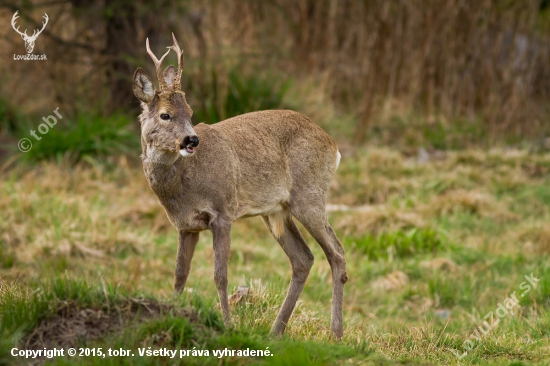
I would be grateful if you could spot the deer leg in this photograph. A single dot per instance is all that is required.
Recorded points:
(186, 249)
(221, 232)
(315, 221)
(301, 260)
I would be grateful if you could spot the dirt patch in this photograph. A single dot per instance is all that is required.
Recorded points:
(73, 325)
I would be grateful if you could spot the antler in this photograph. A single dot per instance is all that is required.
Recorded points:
(15, 16)
(158, 65)
(35, 34)
(179, 52)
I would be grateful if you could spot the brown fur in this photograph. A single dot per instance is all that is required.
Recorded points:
(275, 164)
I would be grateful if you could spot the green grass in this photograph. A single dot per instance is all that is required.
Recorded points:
(400, 244)
(83, 136)
(199, 328)
(431, 248)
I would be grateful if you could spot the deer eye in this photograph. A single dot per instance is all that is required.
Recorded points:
(165, 116)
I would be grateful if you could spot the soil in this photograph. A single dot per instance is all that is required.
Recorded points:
(73, 326)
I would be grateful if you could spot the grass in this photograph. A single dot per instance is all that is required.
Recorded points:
(82, 137)
(32, 319)
(399, 243)
(432, 247)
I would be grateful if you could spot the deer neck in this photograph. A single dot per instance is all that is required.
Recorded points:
(164, 173)
(162, 178)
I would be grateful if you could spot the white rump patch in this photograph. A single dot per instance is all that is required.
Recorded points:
(338, 157)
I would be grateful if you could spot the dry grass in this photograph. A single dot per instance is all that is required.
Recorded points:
(100, 222)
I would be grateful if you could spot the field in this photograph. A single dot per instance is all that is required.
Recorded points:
(440, 109)
(437, 243)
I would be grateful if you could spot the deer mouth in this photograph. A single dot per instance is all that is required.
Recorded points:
(189, 145)
(188, 150)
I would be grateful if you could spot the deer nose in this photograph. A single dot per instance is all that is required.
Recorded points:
(192, 141)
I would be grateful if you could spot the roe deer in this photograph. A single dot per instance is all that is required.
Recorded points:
(276, 164)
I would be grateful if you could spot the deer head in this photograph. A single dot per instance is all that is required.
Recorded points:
(166, 128)
(29, 40)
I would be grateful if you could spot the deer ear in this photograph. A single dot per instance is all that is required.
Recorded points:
(169, 75)
(144, 89)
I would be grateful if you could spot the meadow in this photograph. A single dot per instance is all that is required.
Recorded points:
(434, 242)
(440, 109)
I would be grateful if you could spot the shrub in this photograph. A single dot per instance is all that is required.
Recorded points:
(86, 136)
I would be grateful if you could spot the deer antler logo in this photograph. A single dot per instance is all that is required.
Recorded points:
(29, 40)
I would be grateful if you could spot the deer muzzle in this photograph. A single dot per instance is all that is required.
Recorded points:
(188, 145)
